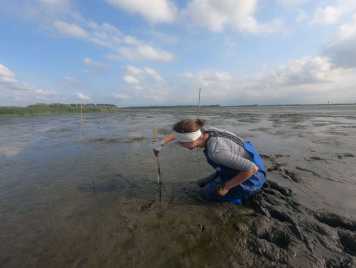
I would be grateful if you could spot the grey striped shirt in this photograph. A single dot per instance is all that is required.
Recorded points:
(224, 151)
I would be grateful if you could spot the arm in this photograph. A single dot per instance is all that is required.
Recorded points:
(166, 139)
(237, 180)
(236, 162)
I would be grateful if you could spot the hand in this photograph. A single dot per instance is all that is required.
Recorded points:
(222, 191)
(157, 147)
(156, 152)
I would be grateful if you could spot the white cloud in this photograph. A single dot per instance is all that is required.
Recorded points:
(153, 73)
(238, 14)
(19, 92)
(104, 34)
(47, 8)
(88, 61)
(98, 66)
(121, 97)
(56, 3)
(308, 80)
(70, 29)
(81, 96)
(327, 15)
(210, 78)
(144, 85)
(342, 51)
(137, 76)
(131, 79)
(347, 31)
(143, 52)
(6, 75)
(44, 92)
(334, 14)
(305, 71)
(132, 70)
(62, 17)
(292, 3)
(153, 10)
(107, 35)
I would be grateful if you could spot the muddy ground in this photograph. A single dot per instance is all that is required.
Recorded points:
(272, 230)
(85, 195)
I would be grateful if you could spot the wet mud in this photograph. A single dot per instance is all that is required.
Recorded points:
(115, 140)
(86, 195)
(271, 230)
(183, 230)
(287, 234)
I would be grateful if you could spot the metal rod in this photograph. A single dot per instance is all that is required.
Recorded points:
(158, 170)
(159, 179)
(199, 102)
(158, 165)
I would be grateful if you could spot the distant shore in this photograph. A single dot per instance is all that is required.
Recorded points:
(58, 108)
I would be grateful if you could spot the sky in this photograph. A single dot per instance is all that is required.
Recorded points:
(160, 52)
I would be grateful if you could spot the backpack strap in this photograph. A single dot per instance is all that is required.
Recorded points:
(215, 133)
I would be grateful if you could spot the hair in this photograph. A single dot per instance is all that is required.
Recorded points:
(188, 125)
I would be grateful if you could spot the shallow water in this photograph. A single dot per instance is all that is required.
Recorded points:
(67, 184)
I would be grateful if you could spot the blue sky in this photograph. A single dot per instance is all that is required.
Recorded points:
(159, 52)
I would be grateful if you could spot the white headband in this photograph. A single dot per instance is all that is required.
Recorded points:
(188, 137)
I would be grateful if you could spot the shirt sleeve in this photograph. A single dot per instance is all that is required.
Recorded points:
(234, 161)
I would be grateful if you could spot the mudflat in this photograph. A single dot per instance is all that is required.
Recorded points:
(82, 192)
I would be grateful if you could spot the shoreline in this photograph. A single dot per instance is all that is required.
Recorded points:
(48, 109)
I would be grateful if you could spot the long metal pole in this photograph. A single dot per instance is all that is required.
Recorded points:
(199, 102)
(158, 165)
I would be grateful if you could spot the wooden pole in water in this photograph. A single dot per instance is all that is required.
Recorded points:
(158, 165)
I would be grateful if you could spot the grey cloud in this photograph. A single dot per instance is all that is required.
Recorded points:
(343, 53)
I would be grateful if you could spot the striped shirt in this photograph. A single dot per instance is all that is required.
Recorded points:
(226, 152)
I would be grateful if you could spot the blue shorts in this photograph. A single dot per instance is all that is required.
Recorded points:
(241, 193)
(237, 195)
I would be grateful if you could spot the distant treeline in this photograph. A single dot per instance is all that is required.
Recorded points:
(172, 106)
(58, 108)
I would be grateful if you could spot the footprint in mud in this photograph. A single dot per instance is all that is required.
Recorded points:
(345, 155)
(279, 238)
(271, 162)
(273, 165)
(315, 158)
(284, 232)
(263, 129)
(275, 187)
(117, 140)
(290, 175)
(147, 205)
(348, 241)
(265, 156)
(309, 171)
(335, 220)
(281, 155)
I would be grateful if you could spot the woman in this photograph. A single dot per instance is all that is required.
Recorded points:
(240, 171)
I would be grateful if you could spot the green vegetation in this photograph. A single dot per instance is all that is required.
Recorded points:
(56, 108)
